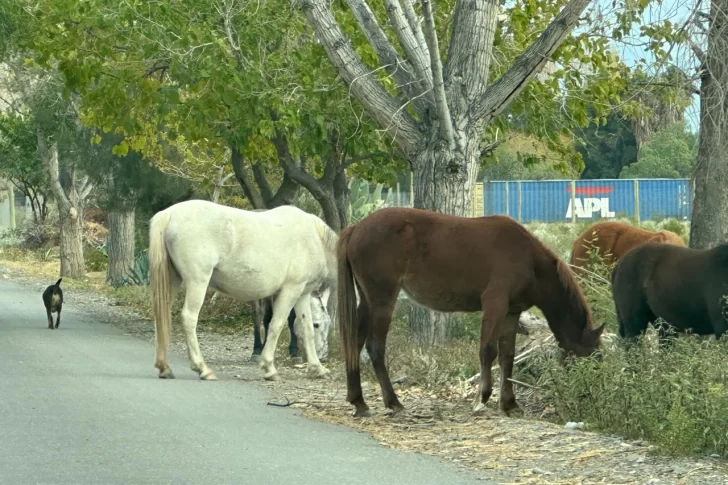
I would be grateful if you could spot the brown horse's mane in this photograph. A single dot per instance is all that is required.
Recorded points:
(571, 285)
(566, 277)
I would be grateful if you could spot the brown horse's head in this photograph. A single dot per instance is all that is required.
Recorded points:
(589, 342)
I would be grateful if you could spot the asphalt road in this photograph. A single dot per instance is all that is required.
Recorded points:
(83, 405)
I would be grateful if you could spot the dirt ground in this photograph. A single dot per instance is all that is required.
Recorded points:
(504, 450)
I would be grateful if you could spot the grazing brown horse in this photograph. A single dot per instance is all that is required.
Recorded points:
(685, 287)
(448, 264)
(613, 240)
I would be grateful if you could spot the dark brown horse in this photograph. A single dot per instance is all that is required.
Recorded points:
(685, 287)
(612, 240)
(449, 264)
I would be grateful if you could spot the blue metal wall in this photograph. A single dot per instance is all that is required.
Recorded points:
(551, 200)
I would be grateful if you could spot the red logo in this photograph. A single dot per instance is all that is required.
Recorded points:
(590, 190)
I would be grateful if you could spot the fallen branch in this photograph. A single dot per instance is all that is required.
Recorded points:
(284, 405)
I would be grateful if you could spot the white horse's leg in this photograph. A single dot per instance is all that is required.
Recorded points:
(304, 327)
(194, 297)
(281, 308)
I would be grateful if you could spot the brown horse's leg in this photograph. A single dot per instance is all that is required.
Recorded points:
(495, 307)
(507, 352)
(354, 393)
(376, 344)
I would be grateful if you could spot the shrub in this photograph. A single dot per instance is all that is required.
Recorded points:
(675, 397)
(96, 260)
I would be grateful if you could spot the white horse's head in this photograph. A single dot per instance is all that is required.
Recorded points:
(321, 321)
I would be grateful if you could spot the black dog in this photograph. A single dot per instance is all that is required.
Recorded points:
(53, 301)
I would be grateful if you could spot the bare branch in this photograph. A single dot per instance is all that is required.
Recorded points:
(443, 112)
(470, 54)
(499, 94)
(400, 69)
(236, 159)
(697, 51)
(378, 103)
(85, 188)
(261, 181)
(414, 23)
(415, 50)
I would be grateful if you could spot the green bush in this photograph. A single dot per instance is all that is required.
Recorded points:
(96, 260)
(676, 397)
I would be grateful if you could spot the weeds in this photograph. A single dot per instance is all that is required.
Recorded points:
(675, 397)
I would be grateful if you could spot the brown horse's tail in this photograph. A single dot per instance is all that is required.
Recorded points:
(347, 312)
(160, 281)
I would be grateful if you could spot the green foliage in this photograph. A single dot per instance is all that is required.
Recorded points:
(671, 153)
(96, 259)
(19, 160)
(524, 157)
(607, 148)
(675, 397)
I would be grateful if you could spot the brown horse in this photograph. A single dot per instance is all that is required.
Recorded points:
(448, 264)
(685, 287)
(612, 240)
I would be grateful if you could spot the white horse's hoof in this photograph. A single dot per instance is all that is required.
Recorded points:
(318, 371)
(210, 376)
(166, 374)
(272, 377)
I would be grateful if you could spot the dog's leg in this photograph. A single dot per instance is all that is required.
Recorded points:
(50, 319)
(58, 317)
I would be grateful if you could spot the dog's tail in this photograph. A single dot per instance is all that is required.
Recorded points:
(159, 272)
(58, 283)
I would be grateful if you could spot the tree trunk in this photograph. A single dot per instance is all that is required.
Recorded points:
(444, 181)
(72, 261)
(70, 211)
(709, 222)
(120, 247)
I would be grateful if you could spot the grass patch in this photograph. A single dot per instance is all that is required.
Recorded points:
(677, 397)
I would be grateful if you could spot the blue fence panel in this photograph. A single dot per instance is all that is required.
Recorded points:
(551, 201)
(665, 198)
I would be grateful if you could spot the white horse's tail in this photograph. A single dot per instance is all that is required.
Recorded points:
(160, 282)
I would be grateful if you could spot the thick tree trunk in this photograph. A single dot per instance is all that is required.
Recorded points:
(120, 247)
(444, 181)
(709, 222)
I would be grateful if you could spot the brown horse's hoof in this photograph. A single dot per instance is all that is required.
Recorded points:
(479, 409)
(512, 410)
(296, 360)
(363, 413)
(210, 376)
(255, 358)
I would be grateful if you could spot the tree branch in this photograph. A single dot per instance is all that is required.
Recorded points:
(262, 182)
(236, 159)
(498, 95)
(414, 24)
(379, 104)
(443, 112)
(469, 55)
(400, 69)
(415, 50)
(49, 156)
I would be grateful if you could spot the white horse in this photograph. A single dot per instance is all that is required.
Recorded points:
(283, 253)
